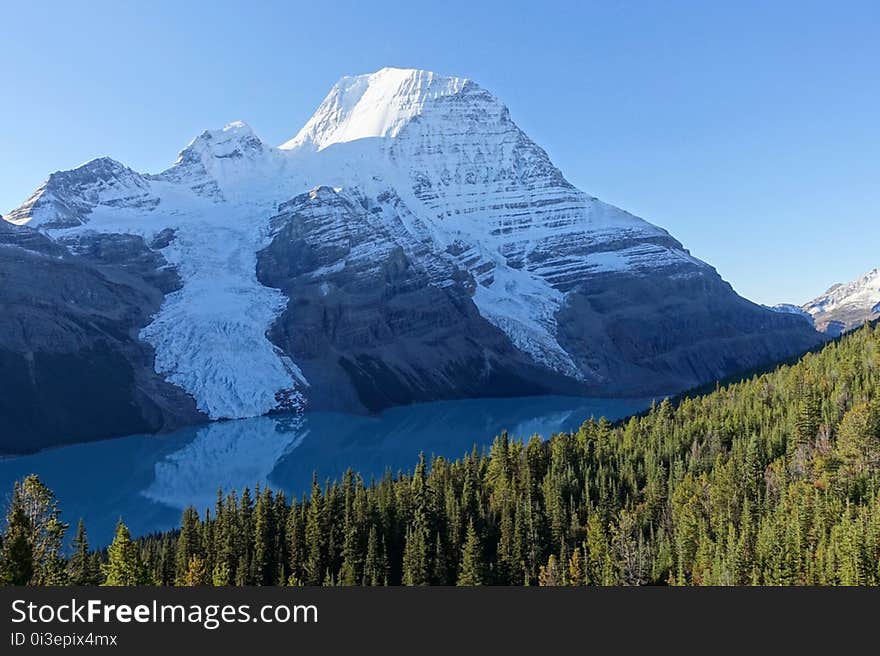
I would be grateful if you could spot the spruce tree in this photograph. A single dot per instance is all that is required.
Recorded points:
(439, 570)
(188, 544)
(124, 566)
(315, 538)
(416, 554)
(17, 554)
(374, 567)
(265, 568)
(79, 566)
(296, 544)
(471, 571)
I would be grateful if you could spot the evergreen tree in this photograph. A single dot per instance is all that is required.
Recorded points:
(124, 566)
(46, 531)
(416, 555)
(265, 531)
(17, 553)
(188, 544)
(440, 571)
(296, 545)
(471, 568)
(376, 564)
(80, 565)
(316, 539)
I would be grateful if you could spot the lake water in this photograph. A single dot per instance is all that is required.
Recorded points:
(148, 480)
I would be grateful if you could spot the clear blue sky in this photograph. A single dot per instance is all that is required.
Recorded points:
(748, 129)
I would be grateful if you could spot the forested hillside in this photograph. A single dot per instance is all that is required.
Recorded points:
(771, 481)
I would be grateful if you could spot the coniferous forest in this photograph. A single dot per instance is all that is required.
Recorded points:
(770, 481)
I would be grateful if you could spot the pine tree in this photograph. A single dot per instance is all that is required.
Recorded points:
(315, 538)
(439, 571)
(416, 554)
(46, 531)
(17, 554)
(265, 531)
(244, 539)
(188, 545)
(375, 566)
(351, 571)
(470, 572)
(807, 419)
(296, 545)
(79, 566)
(124, 566)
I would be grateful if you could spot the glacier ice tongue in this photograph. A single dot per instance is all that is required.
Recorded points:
(210, 336)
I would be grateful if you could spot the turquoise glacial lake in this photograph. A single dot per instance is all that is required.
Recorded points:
(149, 479)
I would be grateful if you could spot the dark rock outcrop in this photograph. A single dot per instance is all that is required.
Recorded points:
(73, 368)
(647, 335)
(373, 324)
(369, 324)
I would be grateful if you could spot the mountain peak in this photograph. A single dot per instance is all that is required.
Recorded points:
(234, 140)
(217, 158)
(847, 305)
(373, 105)
(66, 197)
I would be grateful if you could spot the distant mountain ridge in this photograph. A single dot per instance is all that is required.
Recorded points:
(409, 243)
(844, 306)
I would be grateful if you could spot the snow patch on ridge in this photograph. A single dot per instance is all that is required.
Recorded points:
(524, 307)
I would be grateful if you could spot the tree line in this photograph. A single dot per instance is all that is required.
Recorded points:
(770, 481)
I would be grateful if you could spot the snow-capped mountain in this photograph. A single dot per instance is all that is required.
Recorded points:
(409, 243)
(848, 305)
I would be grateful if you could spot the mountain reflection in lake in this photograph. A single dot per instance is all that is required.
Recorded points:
(148, 480)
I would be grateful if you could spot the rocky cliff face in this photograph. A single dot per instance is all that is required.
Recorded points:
(375, 320)
(409, 243)
(73, 368)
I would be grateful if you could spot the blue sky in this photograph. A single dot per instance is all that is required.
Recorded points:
(749, 130)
